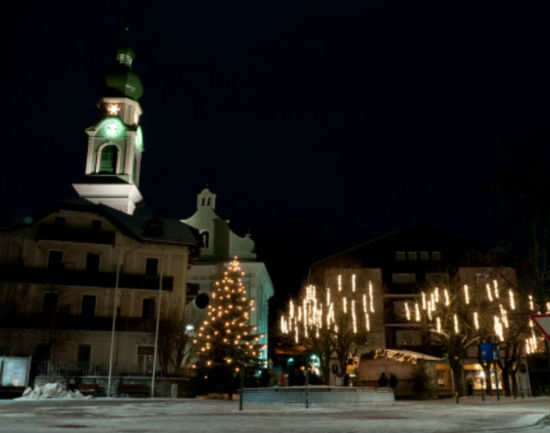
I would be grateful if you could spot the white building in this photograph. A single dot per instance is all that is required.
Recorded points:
(219, 245)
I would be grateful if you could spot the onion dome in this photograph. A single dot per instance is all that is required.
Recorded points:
(121, 81)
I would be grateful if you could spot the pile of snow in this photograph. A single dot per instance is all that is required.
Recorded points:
(51, 390)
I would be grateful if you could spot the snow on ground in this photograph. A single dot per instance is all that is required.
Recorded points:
(211, 416)
(51, 391)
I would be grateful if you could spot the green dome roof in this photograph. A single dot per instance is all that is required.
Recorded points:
(121, 81)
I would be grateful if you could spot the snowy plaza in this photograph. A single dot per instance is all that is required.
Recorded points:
(193, 415)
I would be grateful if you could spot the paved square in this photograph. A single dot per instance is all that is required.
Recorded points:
(186, 415)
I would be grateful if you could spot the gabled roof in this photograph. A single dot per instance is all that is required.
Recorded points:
(141, 228)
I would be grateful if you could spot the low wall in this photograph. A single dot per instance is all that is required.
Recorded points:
(163, 385)
(321, 395)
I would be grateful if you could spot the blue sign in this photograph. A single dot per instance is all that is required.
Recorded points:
(487, 351)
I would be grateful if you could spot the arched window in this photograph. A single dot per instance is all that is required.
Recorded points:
(109, 158)
(205, 239)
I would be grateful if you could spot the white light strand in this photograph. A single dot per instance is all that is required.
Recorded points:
(489, 294)
(455, 320)
(466, 294)
(512, 299)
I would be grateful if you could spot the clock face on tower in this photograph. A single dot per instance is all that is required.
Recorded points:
(112, 128)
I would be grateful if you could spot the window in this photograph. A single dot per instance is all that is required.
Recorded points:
(148, 311)
(208, 201)
(205, 239)
(436, 256)
(403, 278)
(96, 225)
(55, 260)
(399, 311)
(151, 267)
(88, 305)
(49, 305)
(84, 356)
(412, 256)
(145, 359)
(400, 256)
(92, 262)
(108, 161)
(408, 338)
(424, 256)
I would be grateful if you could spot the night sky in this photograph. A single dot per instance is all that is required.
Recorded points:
(319, 124)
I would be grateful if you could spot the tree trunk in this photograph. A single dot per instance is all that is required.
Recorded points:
(513, 378)
(506, 381)
(458, 378)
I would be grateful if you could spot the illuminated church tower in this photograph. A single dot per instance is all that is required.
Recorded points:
(115, 143)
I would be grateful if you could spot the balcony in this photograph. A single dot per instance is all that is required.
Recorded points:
(61, 232)
(65, 277)
(66, 321)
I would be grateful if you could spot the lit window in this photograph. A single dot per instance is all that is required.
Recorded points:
(412, 256)
(424, 256)
(400, 256)
(436, 256)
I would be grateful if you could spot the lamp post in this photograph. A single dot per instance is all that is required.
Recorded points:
(155, 352)
(113, 326)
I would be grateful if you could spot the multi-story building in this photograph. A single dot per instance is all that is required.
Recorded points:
(79, 264)
(409, 261)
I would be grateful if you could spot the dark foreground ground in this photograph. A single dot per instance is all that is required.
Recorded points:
(141, 416)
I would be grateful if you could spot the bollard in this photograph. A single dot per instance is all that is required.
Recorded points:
(241, 393)
(307, 388)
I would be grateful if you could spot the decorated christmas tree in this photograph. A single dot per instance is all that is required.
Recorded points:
(225, 341)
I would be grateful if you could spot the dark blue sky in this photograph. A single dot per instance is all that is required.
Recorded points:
(319, 124)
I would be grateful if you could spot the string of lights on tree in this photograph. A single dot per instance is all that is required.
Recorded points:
(226, 337)
(320, 310)
(489, 312)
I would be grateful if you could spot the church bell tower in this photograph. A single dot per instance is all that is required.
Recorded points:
(115, 143)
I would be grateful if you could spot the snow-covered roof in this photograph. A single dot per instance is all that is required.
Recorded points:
(404, 355)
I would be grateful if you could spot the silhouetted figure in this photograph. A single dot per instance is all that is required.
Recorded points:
(470, 388)
(383, 381)
(393, 381)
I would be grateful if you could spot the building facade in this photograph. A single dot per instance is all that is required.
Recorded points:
(219, 245)
(83, 262)
(411, 261)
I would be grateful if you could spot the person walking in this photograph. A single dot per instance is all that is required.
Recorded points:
(383, 381)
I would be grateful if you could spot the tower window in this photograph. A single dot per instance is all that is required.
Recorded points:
(205, 239)
(208, 201)
(109, 159)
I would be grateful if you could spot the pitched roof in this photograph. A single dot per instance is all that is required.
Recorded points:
(141, 228)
